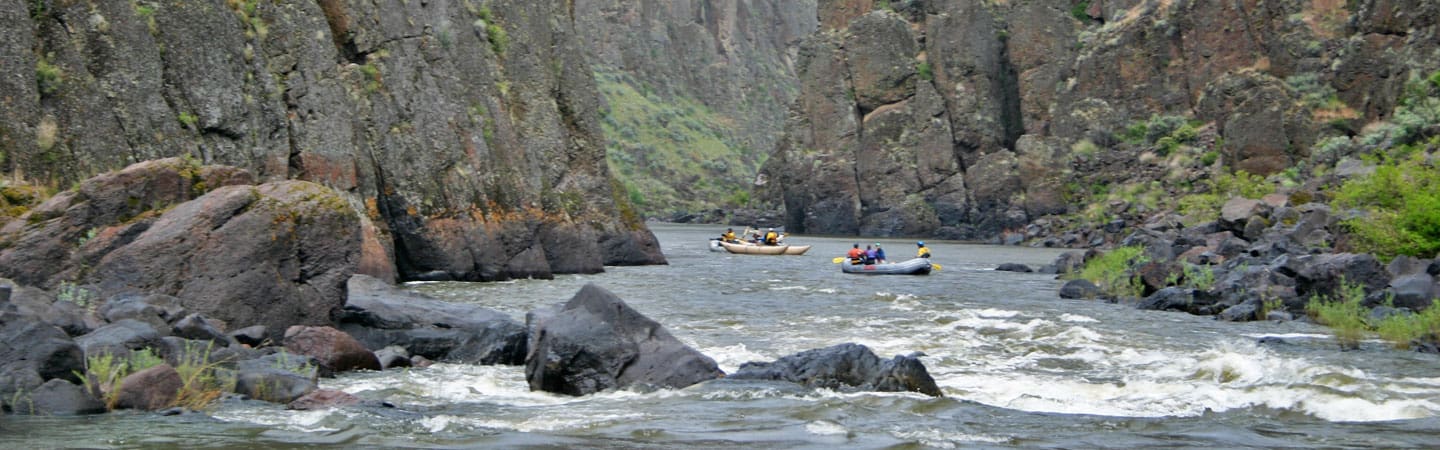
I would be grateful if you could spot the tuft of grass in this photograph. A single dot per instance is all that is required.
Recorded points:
(924, 70)
(1200, 278)
(200, 383)
(48, 77)
(1344, 315)
(104, 372)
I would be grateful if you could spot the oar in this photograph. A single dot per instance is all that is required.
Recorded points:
(838, 259)
(935, 267)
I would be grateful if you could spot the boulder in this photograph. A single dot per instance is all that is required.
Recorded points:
(1244, 312)
(380, 315)
(119, 338)
(335, 350)
(1323, 274)
(1014, 267)
(277, 254)
(844, 367)
(1172, 298)
(1415, 291)
(59, 398)
(393, 356)
(1069, 262)
(278, 377)
(32, 352)
(1238, 211)
(596, 342)
(196, 327)
(149, 389)
(1080, 289)
(253, 336)
(36, 302)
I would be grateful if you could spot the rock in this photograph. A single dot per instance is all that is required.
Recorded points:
(277, 254)
(32, 352)
(59, 397)
(1014, 267)
(1169, 299)
(1322, 274)
(196, 327)
(1080, 289)
(596, 342)
(380, 315)
(144, 308)
(335, 350)
(273, 385)
(1238, 211)
(1069, 262)
(253, 336)
(1243, 312)
(323, 399)
(277, 377)
(119, 338)
(1415, 291)
(844, 367)
(393, 356)
(149, 389)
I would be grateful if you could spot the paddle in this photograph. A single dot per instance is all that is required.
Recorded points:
(838, 259)
(935, 267)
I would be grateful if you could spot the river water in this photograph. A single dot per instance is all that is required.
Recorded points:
(1019, 366)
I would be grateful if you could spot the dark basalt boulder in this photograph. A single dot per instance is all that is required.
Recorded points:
(120, 338)
(380, 315)
(59, 398)
(1169, 299)
(32, 353)
(1014, 267)
(596, 342)
(1080, 289)
(845, 367)
(335, 350)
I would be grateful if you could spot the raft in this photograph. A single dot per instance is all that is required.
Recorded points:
(917, 266)
(751, 249)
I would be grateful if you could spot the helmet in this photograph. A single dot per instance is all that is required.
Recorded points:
(877, 244)
(772, 229)
(920, 244)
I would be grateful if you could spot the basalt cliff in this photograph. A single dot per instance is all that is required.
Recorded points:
(464, 135)
(990, 119)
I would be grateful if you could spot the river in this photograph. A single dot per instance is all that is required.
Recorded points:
(1019, 367)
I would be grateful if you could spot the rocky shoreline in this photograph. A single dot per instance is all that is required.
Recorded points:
(168, 285)
(1263, 259)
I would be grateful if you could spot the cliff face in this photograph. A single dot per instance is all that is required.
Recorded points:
(695, 92)
(970, 119)
(465, 132)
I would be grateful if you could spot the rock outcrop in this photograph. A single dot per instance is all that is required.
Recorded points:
(466, 135)
(972, 119)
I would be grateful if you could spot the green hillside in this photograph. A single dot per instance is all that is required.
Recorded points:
(674, 155)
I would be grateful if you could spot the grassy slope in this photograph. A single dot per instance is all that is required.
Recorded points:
(672, 155)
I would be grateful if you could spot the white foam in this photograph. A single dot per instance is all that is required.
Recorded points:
(826, 427)
(1067, 317)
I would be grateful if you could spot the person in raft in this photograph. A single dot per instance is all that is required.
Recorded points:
(856, 255)
(729, 236)
(879, 254)
(922, 252)
(771, 237)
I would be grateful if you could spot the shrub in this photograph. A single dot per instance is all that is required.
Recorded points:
(1344, 315)
(1111, 271)
(47, 77)
(1200, 278)
(924, 70)
(1402, 205)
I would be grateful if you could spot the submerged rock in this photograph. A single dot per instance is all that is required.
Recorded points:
(845, 367)
(381, 315)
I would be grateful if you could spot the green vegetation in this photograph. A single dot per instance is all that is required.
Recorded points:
(187, 118)
(499, 40)
(104, 372)
(48, 78)
(1200, 278)
(1111, 272)
(1222, 188)
(1403, 329)
(672, 154)
(1401, 201)
(924, 71)
(1344, 315)
(1078, 10)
